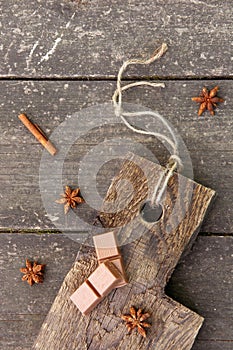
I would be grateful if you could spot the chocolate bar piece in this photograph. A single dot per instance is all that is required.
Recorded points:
(107, 250)
(98, 285)
(85, 298)
(106, 246)
(120, 266)
(105, 277)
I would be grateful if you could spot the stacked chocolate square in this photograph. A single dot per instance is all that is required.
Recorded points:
(109, 274)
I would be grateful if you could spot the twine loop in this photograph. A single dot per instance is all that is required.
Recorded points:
(174, 163)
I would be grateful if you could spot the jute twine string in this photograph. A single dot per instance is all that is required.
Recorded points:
(174, 162)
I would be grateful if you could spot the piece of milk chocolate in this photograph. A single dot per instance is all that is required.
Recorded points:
(106, 246)
(105, 277)
(107, 250)
(97, 286)
(120, 266)
(85, 298)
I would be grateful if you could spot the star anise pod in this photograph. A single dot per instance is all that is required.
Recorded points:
(136, 320)
(208, 100)
(33, 272)
(70, 198)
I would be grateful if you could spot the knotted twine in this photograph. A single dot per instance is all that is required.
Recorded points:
(174, 161)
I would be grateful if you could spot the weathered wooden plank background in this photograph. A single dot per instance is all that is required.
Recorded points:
(208, 139)
(59, 57)
(50, 38)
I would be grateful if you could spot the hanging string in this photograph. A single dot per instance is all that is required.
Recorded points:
(174, 161)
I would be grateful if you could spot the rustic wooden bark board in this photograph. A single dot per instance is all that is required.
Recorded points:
(203, 281)
(149, 261)
(50, 38)
(209, 140)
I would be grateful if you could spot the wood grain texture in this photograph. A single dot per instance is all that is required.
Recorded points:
(205, 279)
(202, 282)
(209, 140)
(150, 259)
(62, 39)
(23, 308)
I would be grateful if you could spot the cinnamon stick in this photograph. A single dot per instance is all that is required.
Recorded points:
(38, 133)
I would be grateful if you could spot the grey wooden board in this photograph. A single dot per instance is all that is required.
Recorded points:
(202, 281)
(209, 140)
(23, 308)
(49, 38)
